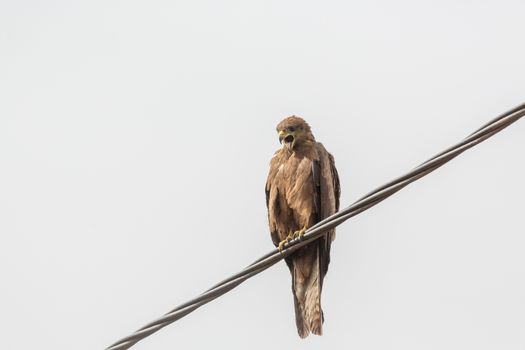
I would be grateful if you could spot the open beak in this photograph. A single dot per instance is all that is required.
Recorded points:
(287, 139)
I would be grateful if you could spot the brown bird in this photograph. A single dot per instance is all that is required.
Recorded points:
(302, 189)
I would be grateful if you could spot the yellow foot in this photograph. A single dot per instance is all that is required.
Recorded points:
(300, 233)
(284, 241)
(291, 236)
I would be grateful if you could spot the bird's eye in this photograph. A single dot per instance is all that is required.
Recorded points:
(291, 128)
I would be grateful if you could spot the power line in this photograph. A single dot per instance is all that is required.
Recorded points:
(314, 232)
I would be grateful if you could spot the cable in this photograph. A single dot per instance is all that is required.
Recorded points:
(314, 232)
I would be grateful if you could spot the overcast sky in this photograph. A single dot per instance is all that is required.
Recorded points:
(135, 138)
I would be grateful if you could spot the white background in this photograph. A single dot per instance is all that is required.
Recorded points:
(135, 138)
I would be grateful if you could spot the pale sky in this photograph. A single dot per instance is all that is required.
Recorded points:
(135, 138)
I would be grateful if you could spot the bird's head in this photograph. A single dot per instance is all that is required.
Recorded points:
(294, 132)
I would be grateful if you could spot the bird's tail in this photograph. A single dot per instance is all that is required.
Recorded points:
(306, 286)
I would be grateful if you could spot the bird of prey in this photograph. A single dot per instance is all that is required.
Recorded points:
(302, 188)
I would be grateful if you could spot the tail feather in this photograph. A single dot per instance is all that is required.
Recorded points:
(302, 327)
(313, 309)
(306, 287)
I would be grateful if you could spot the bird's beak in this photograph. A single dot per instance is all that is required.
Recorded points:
(282, 135)
(287, 139)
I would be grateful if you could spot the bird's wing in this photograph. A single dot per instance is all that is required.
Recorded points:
(272, 201)
(328, 193)
(330, 190)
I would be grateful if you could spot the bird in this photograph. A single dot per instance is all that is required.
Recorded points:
(302, 189)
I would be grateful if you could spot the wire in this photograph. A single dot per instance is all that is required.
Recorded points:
(314, 232)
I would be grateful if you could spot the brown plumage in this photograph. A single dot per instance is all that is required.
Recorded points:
(302, 189)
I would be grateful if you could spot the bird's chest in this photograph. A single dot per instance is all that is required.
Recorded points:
(294, 179)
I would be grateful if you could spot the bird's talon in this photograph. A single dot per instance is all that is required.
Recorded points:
(291, 236)
(299, 233)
